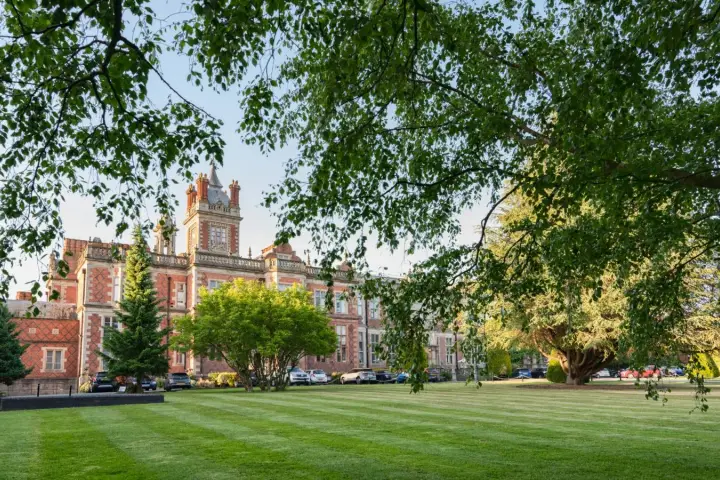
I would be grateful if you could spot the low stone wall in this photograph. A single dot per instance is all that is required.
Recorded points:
(48, 386)
(81, 400)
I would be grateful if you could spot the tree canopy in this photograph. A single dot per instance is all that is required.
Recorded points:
(405, 113)
(256, 329)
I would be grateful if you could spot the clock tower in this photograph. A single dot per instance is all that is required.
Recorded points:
(212, 218)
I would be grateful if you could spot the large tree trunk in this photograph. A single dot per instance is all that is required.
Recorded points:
(579, 365)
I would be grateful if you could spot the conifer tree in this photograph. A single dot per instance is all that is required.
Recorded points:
(136, 348)
(11, 365)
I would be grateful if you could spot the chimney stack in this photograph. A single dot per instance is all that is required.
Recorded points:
(234, 194)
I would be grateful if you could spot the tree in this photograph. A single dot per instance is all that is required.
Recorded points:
(11, 365)
(137, 348)
(256, 329)
(405, 113)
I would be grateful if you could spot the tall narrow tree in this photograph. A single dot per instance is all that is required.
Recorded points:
(136, 348)
(11, 365)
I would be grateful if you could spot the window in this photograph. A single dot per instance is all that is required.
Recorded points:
(449, 350)
(340, 303)
(374, 309)
(361, 351)
(320, 297)
(374, 342)
(360, 305)
(180, 295)
(283, 286)
(54, 360)
(180, 358)
(108, 323)
(320, 358)
(117, 287)
(218, 237)
(213, 284)
(341, 332)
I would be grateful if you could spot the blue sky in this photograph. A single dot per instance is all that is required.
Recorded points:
(254, 171)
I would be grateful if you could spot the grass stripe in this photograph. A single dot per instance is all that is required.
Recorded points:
(19, 444)
(70, 447)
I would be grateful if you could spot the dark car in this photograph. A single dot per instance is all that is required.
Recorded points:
(177, 380)
(402, 377)
(384, 376)
(101, 382)
(149, 384)
(538, 372)
(521, 373)
(433, 375)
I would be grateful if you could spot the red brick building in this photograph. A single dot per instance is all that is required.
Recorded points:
(212, 228)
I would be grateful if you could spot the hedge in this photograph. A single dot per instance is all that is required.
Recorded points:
(707, 366)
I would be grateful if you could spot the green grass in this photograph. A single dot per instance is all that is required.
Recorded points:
(378, 431)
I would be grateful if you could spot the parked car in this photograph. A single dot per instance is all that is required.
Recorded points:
(538, 372)
(297, 376)
(358, 375)
(629, 373)
(651, 371)
(604, 373)
(402, 377)
(673, 371)
(147, 383)
(385, 376)
(318, 377)
(177, 380)
(433, 375)
(521, 373)
(101, 382)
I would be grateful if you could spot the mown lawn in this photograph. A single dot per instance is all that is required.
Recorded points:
(377, 431)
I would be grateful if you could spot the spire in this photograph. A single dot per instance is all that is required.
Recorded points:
(214, 180)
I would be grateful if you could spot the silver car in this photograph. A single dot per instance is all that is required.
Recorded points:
(298, 377)
(318, 377)
(358, 375)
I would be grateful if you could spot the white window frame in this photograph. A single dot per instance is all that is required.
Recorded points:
(340, 303)
(179, 359)
(180, 294)
(374, 309)
(341, 352)
(284, 286)
(361, 350)
(117, 287)
(360, 305)
(319, 299)
(374, 342)
(214, 284)
(218, 236)
(54, 351)
(449, 350)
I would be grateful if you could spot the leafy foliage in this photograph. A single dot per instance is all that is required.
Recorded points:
(555, 372)
(256, 329)
(498, 362)
(76, 117)
(137, 348)
(703, 365)
(11, 365)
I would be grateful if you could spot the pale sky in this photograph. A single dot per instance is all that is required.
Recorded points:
(254, 171)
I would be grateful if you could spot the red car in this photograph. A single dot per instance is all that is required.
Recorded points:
(651, 371)
(628, 373)
(648, 372)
